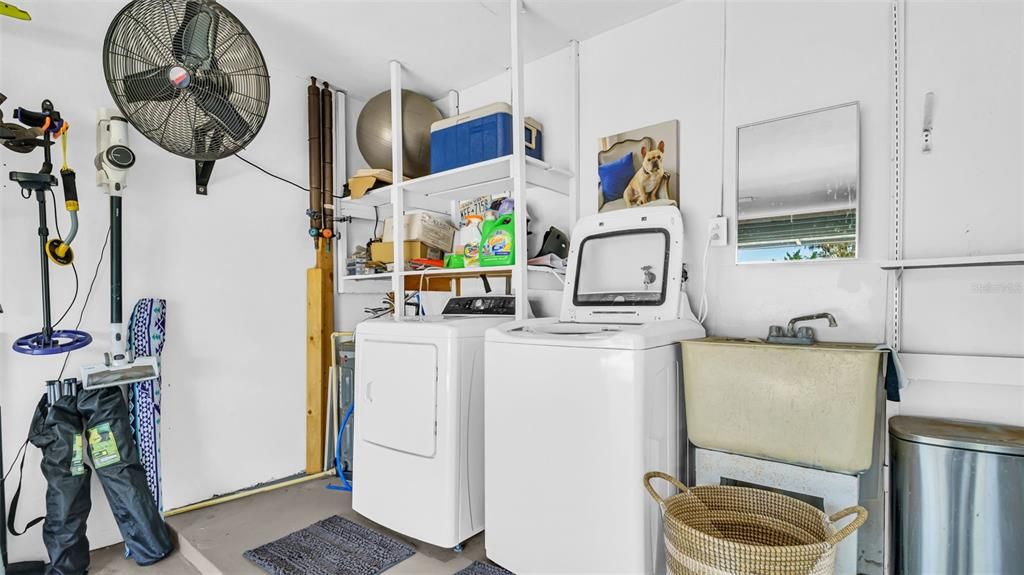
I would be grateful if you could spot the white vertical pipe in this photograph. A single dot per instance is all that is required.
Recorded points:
(340, 175)
(519, 275)
(397, 193)
(452, 109)
(453, 103)
(574, 131)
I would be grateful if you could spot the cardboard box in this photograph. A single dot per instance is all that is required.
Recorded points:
(366, 180)
(384, 252)
(431, 229)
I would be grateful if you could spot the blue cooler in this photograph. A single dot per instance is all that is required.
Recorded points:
(482, 134)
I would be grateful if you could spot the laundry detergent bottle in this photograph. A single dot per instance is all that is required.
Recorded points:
(498, 245)
(470, 236)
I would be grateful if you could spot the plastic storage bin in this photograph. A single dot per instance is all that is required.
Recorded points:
(479, 135)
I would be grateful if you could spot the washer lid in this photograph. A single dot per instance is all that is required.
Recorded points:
(429, 326)
(549, 332)
(625, 267)
(959, 434)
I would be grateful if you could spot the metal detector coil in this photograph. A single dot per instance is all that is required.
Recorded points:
(60, 341)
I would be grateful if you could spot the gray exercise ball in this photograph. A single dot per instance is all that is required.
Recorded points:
(373, 132)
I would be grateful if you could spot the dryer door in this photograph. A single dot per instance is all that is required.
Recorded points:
(399, 395)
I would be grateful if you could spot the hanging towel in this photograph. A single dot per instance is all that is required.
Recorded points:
(895, 378)
(148, 328)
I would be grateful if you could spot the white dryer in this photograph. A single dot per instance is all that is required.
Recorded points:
(418, 448)
(578, 408)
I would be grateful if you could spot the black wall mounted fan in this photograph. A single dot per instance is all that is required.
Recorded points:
(189, 76)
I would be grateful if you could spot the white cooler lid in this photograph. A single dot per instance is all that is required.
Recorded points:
(625, 267)
(481, 112)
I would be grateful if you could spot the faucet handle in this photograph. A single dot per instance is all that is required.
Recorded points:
(805, 332)
(776, 331)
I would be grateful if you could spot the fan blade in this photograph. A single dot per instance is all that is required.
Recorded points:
(150, 85)
(216, 106)
(197, 40)
(191, 10)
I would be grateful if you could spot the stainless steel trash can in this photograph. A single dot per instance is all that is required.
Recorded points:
(957, 497)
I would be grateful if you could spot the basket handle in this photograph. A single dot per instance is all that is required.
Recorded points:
(658, 474)
(862, 516)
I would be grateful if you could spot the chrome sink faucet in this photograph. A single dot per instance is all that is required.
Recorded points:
(798, 336)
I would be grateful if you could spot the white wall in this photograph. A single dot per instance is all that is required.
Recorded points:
(788, 57)
(231, 265)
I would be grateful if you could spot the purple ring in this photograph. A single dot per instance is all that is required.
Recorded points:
(62, 341)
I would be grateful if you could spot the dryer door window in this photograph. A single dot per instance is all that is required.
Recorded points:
(398, 403)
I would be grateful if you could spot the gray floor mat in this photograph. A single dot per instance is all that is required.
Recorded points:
(481, 568)
(334, 546)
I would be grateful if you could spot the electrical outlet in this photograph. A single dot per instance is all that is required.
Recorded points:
(718, 231)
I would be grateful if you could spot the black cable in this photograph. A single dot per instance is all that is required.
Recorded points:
(88, 294)
(271, 174)
(15, 460)
(56, 224)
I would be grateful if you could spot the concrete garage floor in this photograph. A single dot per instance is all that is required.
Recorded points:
(212, 540)
(111, 561)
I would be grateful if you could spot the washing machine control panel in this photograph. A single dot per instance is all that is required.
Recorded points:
(481, 305)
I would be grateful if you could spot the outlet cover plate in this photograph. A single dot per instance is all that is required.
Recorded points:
(718, 231)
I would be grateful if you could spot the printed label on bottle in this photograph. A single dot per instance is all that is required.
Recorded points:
(499, 243)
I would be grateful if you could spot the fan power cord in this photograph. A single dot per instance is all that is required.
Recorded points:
(88, 295)
(702, 311)
(271, 174)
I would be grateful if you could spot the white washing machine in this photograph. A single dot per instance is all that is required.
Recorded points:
(578, 408)
(419, 435)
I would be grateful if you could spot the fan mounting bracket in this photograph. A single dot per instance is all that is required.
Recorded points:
(204, 169)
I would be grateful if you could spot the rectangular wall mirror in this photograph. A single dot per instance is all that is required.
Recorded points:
(798, 181)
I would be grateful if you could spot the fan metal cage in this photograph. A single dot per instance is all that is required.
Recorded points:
(188, 76)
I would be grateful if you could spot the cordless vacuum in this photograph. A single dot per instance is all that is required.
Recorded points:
(113, 160)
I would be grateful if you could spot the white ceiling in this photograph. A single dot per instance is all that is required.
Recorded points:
(443, 45)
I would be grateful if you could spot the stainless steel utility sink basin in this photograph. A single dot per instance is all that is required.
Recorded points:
(811, 405)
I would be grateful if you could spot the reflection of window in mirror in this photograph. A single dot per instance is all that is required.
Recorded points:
(798, 181)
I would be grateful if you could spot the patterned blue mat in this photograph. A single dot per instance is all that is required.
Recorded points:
(481, 568)
(334, 546)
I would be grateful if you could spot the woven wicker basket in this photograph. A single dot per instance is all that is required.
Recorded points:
(718, 530)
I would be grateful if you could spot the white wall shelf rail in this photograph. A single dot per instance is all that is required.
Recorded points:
(990, 370)
(954, 262)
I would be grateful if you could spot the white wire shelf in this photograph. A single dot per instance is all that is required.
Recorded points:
(434, 192)
(954, 262)
(452, 272)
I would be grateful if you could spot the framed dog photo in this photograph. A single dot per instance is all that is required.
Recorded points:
(639, 168)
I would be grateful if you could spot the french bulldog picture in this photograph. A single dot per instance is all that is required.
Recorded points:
(643, 187)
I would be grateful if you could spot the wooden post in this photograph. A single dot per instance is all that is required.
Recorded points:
(319, 286)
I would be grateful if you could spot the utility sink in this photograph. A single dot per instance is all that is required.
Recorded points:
(810, 405)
